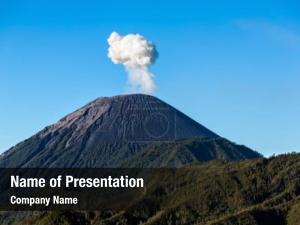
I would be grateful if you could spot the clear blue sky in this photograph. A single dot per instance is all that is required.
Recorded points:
(234, 66)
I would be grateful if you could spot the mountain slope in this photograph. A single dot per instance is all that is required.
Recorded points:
(250, 192)
(189, 151)
(104, 133)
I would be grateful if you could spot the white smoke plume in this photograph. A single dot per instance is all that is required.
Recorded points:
(136, 54)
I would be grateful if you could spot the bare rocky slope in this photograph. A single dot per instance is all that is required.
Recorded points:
(109, 131)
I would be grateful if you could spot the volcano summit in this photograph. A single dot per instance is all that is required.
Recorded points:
(123, 131)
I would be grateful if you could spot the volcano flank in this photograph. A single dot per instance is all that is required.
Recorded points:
(126, 130)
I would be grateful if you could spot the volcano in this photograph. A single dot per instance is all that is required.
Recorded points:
(120, 130)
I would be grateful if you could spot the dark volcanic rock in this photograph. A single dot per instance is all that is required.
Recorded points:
(105, 133)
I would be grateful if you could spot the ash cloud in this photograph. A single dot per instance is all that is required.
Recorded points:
(136, 54)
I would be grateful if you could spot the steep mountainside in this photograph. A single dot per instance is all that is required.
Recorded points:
(108, 132)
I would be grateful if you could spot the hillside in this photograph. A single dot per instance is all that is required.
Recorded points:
(189, 151)
(251, 192)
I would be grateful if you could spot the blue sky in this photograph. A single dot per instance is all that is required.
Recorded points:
(234, 66)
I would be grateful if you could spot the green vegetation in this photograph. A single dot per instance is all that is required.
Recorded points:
(188, 151)
(251, 192)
